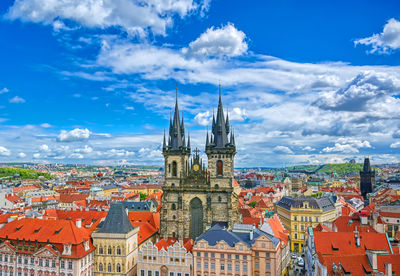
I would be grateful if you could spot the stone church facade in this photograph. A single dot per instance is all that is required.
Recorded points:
(195, 197)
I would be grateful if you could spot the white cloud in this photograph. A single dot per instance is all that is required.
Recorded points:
(76, 156)
(354, 142)
(45, 125)
(21, 155)
(203, 118)
(74, 135)
(237, 114)
(44, 148)
(282, 150)
(36, 155)
(308, 148)
(17, 100)
(341, 148)
(4, 90)
(395, 145)
(225, 41)
(85, 149)
(386, 41)
(136, 17)
(4, 151)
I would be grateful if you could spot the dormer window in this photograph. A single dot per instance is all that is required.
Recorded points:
(86, 245)
(67, 249)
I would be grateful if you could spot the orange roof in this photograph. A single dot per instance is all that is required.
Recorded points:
(343, 243)
(390, 214)
(350, 224)
(54, 231)
(23, 188)
(14, 198)
(163, 244)
(4, 217)
(278, 229)
(90, 219)
(148, 222)
(69, 198)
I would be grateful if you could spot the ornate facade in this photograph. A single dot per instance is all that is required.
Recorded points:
(196, 197)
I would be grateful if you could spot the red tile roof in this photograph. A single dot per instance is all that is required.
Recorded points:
(70, 198)
(148, 222)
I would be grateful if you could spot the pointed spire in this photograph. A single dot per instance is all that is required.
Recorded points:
(176, 129)
(164, 142)
(220, 128)
(227, 121)
(188, 144)
(233, 139)
(367, 165)
(207, 139)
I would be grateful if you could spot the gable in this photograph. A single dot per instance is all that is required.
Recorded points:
(6, 248)
(46, 252)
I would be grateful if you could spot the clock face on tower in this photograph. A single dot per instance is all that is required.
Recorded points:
(196, 168)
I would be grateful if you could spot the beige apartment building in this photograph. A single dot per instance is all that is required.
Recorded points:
(116, 244)
(169, 257)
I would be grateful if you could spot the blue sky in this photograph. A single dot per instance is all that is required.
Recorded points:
(305, 82)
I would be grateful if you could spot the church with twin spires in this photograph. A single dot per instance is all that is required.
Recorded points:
(195, 197)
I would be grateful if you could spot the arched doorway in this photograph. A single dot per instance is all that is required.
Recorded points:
(164, 270)
(196, 217)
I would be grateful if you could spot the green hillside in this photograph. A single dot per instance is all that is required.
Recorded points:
(340, 169)
(23, 173)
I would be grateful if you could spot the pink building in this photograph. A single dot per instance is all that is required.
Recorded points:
(244, 251)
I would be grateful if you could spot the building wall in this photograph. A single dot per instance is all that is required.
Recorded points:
(127, 259)
(154, 262)
(218, 259)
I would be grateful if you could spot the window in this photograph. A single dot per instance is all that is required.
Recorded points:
(205, 265)
(219, 168)
(267, 266)
(173, 207)
(219, 199)
(32, 260)
(316, 219)
(237, 267)
(257, 265)
(157, 273)
(141, 272)
(174, 169)
(212, 266)
(237, 257)
(101, 249)
(119, 268)
(222, 266)
(244, 268)
(69, 264)
(109, 250)
(244, 257)
(295, 227)
(256, 254)
(222, 255)
(198, 254)
(229, 267)
(53, 263)
(212, 255)
(263, 245)
(20, 260)
(205, 254)
(6, 258)
(295, 236)
(295, 218)
(186, 274)
(101, 267)
(118, 250)
(109, 268)
(198, 264)
(62, 264)
(40, 262)
(47, 263)
(171, 274)
(26, 260)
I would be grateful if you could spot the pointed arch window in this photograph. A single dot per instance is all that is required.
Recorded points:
(109, 267)
(173, 207)
(174, 169)
(220, 168)
(118, 250)
(118, 268)
(101, 249)
(100, 267)
(109, 250)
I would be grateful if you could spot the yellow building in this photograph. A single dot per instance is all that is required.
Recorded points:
(116, 244)
(109, 189)
(147, 189)
(297, 213)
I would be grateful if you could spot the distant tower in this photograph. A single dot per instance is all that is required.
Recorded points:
(367, 179)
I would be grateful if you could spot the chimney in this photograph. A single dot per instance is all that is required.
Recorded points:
(127, 211)
(358, 241)
(251, 235)
(388, 269)
(373, 260)
(78, 223)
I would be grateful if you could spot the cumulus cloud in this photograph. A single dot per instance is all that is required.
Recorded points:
(395, 145)
(85, 149)
(4, 90)
(366, 89)
(237, 114)
(17, 100)
(45, 125)
(44, 148)
(21, 155)
(203, 118)
(385, 42)
(4, 151)
(282, 150)
(74, 135)
(341, 148)
(36, 155)
(136, 17)
(224, 41)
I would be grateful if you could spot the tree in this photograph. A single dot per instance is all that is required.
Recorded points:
(142, 196)
(253, 204)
